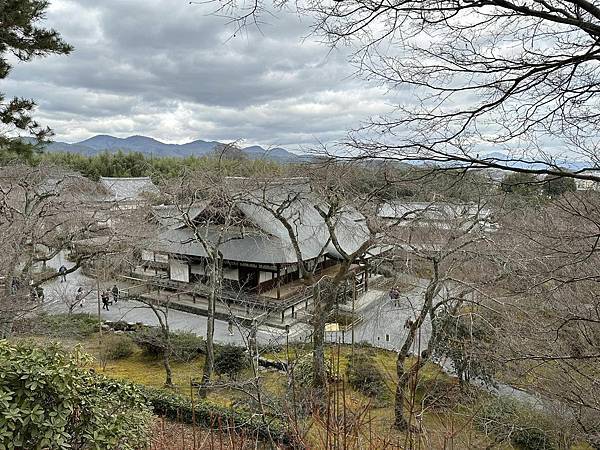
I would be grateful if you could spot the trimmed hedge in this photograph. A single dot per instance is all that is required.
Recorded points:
(177, 407)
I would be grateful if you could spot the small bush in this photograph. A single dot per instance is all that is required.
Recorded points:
(230, 360)
(365, 377)
(118, 347)
(185, 346)
(439, 393)
(530, 438)
(509, 420)
(303, 370)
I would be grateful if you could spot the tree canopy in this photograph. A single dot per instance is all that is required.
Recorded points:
(524, 184)
(554, 186)
(136, 164)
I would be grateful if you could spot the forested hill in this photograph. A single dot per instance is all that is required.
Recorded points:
(152, 147)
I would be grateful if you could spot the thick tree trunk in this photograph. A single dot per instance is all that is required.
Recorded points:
(322, 294)
(209, 361)
(7, 309)
(6, 327)
(167, 366)
(319, 370)
(400, 422)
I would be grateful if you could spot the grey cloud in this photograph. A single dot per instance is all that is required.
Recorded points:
(165, 68)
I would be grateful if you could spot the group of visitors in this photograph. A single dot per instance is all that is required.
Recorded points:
(37, 292)
(105, 296)
(394, 295)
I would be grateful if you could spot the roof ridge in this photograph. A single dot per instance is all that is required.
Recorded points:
(125, 178)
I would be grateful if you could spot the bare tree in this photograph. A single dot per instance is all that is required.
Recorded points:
(207, 207)
(484, 76)
(547, 306)
(161, 312)
(437, 244)
(42, 211)
(315, 224)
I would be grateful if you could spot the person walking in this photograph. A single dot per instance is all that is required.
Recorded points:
(62, 271)
(115, 293)
(39, 292)
(79, 297)
(105, 300)
(395, 296)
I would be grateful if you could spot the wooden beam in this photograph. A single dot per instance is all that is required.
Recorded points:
(278, 282)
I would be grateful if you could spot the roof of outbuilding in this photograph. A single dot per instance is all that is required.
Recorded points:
(128, 189)
(172, 216)
(436, 211)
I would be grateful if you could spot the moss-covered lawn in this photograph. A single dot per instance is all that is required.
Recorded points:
(368, 423)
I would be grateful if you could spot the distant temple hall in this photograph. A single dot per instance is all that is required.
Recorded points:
(259, 256)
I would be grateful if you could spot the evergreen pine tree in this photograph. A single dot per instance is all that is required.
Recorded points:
(21, 37)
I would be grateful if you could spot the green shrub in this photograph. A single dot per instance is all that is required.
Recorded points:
(48, 400)
(230, 360)
(365, 377)
(303, 370)
(531, 438)
(185, 346)
(177, 407)
(117, 347)
(509, 420)
(440, 392)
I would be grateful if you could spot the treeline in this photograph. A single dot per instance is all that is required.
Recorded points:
(387, 181)
(137, 164)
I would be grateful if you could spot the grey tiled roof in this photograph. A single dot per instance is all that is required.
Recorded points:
(128, 189)
(268, 241)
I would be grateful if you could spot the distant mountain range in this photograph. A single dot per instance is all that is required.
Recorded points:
(150, 146)
(509, 160)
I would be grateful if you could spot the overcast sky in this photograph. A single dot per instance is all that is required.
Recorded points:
(170, 70)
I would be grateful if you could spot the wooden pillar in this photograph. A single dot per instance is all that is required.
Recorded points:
(366, 276)
(283, 316)
(278, 282)
(353, 312)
